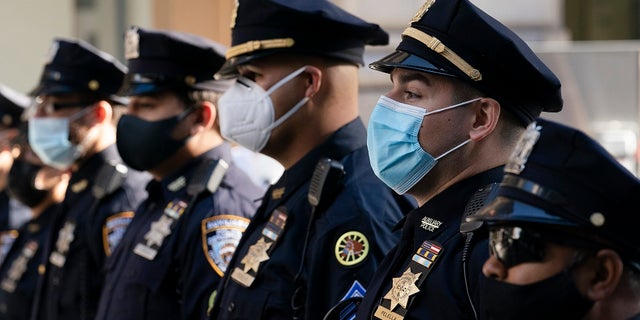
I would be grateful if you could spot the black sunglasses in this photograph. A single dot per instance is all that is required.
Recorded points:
(513, 245)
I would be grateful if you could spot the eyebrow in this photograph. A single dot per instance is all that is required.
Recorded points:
(406, 77)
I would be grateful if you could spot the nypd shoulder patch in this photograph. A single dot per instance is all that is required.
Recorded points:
(220, 237)
(113, 230)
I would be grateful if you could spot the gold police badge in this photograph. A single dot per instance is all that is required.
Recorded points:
(132, 44)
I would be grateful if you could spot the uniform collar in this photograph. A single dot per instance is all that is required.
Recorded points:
(41, 222)
(345, 140)
(83, 178)
(446, 208)
(175, 185)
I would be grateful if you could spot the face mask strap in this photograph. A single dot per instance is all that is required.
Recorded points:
(285, 80)
(288, 114)
(453, 106)
(453, 149)
(79, 114)
(295, 108)
(186, 112)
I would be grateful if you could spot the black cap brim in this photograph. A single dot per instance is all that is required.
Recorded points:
(403, 59)
(503, 210)
(229, 69)
(51, 89)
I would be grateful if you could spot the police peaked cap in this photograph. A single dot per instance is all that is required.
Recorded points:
(560, 177)
(310, 27)
(455, 38)
(12, 105)
(160, 60)
(75, 66)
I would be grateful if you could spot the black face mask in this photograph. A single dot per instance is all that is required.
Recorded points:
(553, 298)
(22, 177)
(143, 145)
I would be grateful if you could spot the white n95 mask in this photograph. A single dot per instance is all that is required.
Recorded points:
(246, 112)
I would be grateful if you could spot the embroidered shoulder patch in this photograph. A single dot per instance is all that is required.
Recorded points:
(220, 237)
(351, 248)
(113, 230)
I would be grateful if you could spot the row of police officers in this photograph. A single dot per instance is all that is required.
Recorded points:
(456, 201)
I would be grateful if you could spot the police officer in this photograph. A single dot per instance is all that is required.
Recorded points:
(326, 224)
(180, 242)
(73, 128)
(464, 87)
(561, 236)
(41, 188)
(12, 213)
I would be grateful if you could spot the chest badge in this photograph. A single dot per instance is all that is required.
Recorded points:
(65, 237)
(6, 241)
(160, 229)
(403, 288)
(256, 255)
(259, 251)
(408, 284)
(18, 267)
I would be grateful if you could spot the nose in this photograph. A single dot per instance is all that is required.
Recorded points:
(494, 269)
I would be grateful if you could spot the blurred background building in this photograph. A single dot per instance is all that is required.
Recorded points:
(592, 45)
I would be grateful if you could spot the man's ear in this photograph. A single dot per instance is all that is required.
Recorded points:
(606, 275)
(314, 80)
(487, 112)
(206, 115)
(103, 111)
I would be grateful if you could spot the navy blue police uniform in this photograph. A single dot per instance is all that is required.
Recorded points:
(19, 274)
(177, 248)
(12, 105)
(302, 254)
(349, 238)
(101, 197)
(434, 272)
(565, 187)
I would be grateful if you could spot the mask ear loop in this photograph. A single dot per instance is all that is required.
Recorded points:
(448, 108)
(285, 80)
(81, 113)
(80, 146)
(453, 106)
(295, 108)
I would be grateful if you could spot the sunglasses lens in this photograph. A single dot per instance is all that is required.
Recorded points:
(513, 246)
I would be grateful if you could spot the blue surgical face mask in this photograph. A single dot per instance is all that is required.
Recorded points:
(394, 150)
(49, 139)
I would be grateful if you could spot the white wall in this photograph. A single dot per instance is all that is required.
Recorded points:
(27, 28)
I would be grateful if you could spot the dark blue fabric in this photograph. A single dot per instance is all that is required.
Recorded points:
(17, 304)
(178, 282)
(60, 295)
(442, 295)
(4, 211)
(364, 204)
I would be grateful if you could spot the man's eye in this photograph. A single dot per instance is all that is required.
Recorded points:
(410, 95)
(250, 75)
